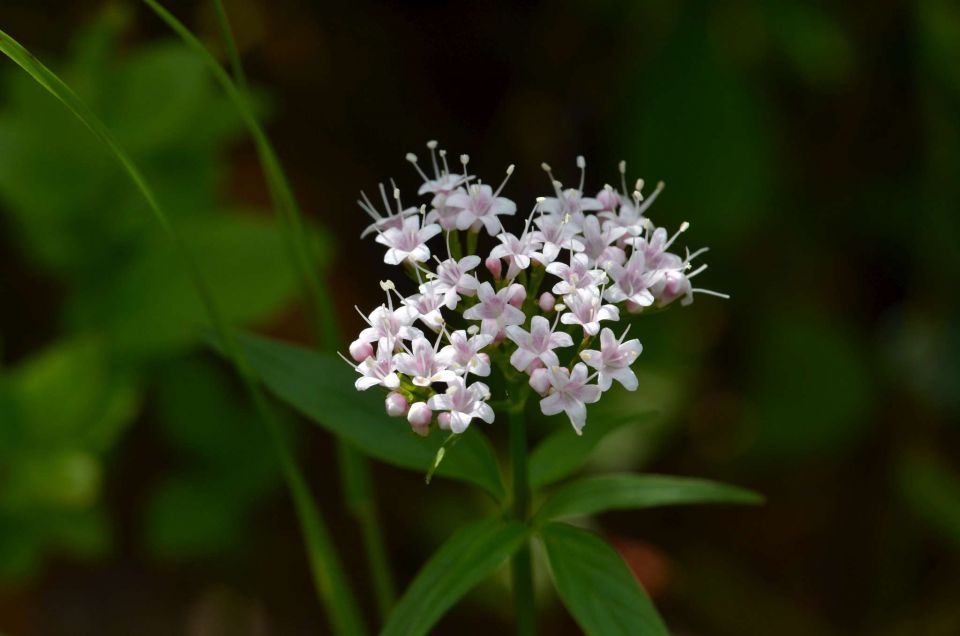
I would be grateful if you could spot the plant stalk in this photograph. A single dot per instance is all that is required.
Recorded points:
(520, 564)
(354, 469)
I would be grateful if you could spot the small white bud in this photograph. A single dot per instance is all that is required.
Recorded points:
(473, 330)
(581, 162)
(510, 169)
(639, 186)
(545, 166)
(559, 307)
(432, 144)
(396, 193)
(412, 158)
(541, 199)
(623, 167)
(684, 226)
(387, 285)
(464, 159)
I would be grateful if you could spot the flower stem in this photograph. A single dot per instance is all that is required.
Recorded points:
(521, 566)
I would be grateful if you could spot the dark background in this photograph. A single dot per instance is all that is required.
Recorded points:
(814, 147)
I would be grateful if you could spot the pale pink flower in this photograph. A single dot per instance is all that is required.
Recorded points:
(577, 275)
(631, 282)
(613, 360)
(517, 251)
(379, 370)
(536, 344)
(453, 280)
(598, 242)
(586, 308)
(463, 353)
(423, 365)
(407, 242)
(494, 310)
(478, 204)
(463, 403)
(570, 394)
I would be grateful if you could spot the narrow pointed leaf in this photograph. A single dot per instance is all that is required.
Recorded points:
(563, 452)
(592, 495)
(320, 386)
(596, 586)
(468, 557)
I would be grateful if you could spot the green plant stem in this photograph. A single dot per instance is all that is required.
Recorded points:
(355, 471)
(230, 43)
(520, 564)
(328, 574)
(359, 498)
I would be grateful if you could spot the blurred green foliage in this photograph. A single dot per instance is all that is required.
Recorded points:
(129, 318)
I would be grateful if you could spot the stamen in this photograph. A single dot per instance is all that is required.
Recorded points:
(709, 292)
(582, 164)
(344, 358)
(622, 166)
(412, 158)
(683, 228)
(443, 157)
(505, 179)
(386, 201)
(432, 145)
(697, 271)
(624, 335)
(651, 198)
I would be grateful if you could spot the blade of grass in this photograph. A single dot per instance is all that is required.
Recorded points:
(354, 469)
(327, 572)
(277, 182)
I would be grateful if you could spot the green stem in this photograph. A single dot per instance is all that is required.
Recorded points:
(359, 499)
(521, 566)
(328, 573)
(355, 472)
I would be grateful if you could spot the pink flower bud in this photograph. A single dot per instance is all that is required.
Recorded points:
(633, 307)
(420, 417)
(518, 293)
(494, 266)
(396, 404)
(360, 350)
(547, 301)
(533, 366)
(443, 421)
(540, 381)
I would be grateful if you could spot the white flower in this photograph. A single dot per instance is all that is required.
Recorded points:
(452, 280)
(463, 403)
(631, 282)
(536, 344)
(613, 360)
(407, 242)
(494, 310)
(517, 251)
(570, 204)
(379, 370)
(479, 204)
(390, 324)
(587, 310)
(570, 394)
(427, 306)
(576, 275)
(423, 365)
(671, 284)
(463, 353)
(556, 233)
(598, 242)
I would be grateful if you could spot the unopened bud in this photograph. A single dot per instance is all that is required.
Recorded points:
(396, 404)
(540, 381)
(494, 266)
(360, 350)
(547, 301)
(517, 294)
(420, 417)
(443, 421)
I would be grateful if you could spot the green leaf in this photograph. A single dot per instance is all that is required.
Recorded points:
(320, 386)
(469, 556)
(563, 452)
(618, 492)
(596, 586)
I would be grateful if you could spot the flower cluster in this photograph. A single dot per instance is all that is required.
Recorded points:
(595, 257)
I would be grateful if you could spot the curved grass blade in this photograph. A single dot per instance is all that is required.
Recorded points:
(328, 575)
(596, 586)
(320, 386)
(470, 555)
(592, 495)
(563, 452)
